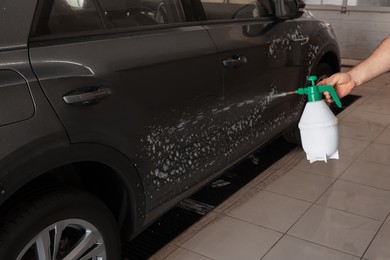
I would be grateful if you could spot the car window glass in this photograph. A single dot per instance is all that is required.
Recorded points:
(64, 16)
(67, 16)
(131, 13)
(237, 9)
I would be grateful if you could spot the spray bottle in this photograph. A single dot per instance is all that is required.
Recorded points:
(318, 125)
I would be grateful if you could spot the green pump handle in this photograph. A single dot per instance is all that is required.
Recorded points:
(313, 91)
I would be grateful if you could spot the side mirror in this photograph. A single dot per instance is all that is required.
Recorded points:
(288, 9)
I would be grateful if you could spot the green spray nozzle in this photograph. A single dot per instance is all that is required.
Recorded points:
(313, 91)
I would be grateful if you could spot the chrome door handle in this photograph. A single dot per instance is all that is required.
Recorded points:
(86, 95)
(235, 61)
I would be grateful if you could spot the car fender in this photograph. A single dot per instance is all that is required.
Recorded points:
(30, 162)
(328, 47)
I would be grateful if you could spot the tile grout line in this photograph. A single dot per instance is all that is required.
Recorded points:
(189, 251)
(352, 213)
(315, 202)
(255, 224)
(312, 203)
(336, 179)
(377, 232)
(272, 247)
(328, 247)
(285, 233)
(196, 231)
(370, 186)
(311, 206)
(369, 145)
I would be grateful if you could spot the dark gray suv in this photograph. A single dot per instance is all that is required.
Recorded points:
(112, 111)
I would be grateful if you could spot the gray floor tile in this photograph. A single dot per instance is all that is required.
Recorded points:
(363, 125)
(270, 210)
(336, 229)
(356, 198)
(351, 147)
(380, 247)
(379, 153)
(301, 185)
(229, 238)
(384, 137)
(332, 168)
(368, 173)
(181, 253)
(291, 248)
(376, 104)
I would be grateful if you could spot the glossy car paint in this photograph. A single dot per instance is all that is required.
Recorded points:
(38, 142)
(251, 116)
(176, 117)
(159, 88)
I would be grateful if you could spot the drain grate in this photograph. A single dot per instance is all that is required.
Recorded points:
(193, 209)
(159, 233)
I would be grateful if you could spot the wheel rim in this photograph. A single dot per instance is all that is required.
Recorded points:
(67, 239)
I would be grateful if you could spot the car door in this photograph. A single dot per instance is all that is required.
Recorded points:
(137, 76)
(259, 58)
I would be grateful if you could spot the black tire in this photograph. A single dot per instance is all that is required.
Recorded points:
(293, 136)
(323, 70)
(80, 213)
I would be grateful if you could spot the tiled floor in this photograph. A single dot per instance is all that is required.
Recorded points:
(337, 210)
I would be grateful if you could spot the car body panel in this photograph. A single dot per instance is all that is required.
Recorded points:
(252, 117)
(16, 102)
(162, 103)
(40, 125)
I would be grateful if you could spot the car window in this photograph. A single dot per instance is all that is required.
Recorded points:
(237, 9)
(130, 13)
(64, 16)
(68, 16)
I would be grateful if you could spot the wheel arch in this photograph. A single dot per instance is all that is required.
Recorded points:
(114, 180)
(332, 59)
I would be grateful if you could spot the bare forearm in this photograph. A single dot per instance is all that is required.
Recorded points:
(376, 64)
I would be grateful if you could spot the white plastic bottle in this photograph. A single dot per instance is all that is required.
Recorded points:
(318, 124)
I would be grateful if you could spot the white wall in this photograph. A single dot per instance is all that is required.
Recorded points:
(358, 33)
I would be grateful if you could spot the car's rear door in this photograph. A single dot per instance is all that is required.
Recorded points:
(258, 57)
(137, 76)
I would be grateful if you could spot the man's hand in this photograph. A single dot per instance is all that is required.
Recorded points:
(342, 83)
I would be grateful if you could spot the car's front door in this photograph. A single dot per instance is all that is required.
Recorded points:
(257, 59)
(137, 77)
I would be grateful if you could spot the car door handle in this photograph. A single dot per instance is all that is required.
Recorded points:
(303, 40)
(86, 95)
(235, 61)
